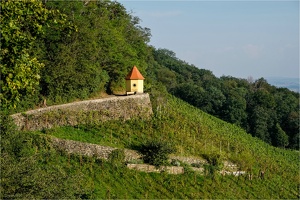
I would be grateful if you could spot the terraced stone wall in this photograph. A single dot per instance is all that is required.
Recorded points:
(84, 112)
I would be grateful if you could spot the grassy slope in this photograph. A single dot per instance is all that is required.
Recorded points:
(193, 133)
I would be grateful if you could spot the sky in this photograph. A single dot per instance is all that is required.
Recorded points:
(232, 38)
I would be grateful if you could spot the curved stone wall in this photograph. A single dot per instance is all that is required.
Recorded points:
(84, 112)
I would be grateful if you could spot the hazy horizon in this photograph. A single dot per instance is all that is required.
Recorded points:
(231, 38)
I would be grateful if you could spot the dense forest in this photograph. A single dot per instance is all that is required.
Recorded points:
(55, 52)
(267, 112)
(62, 51)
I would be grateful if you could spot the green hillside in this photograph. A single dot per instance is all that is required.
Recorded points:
(54, 52)
(263, 110)
(83, 49)
(76, 50)
(189, 130)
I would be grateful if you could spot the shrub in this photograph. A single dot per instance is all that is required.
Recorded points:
(215, 163)
(156, 152)
(197, 165)
(175, 162)
(214, 159)
(117, 157)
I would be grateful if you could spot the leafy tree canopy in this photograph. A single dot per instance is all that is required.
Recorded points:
(22, 22)
(263, 110)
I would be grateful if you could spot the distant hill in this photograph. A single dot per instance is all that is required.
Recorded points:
(290, 83)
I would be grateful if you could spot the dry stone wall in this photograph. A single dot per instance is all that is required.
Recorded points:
(91, 150)
(84, 112)
(189, 160)
(103, 152)
(152, 168)
(81, 148)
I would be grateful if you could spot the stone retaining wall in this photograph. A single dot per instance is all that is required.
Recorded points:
(151, 168)
(103, 152)
(91, 150)
(189, 160)
(84, 112)
(81, 148)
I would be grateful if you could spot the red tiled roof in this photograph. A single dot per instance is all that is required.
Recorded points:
(134, 74)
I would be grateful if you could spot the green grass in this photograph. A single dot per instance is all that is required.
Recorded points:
(193, 133)
(102, 180)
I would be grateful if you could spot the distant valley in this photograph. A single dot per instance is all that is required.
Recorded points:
(290, 83)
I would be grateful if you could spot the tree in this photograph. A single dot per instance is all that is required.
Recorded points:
(98, 56)
(214, 100)
(167, 77)
(279, 137)
(287, 109)
(21, 23)
(234, 108)
(259, 122)
(292, 126)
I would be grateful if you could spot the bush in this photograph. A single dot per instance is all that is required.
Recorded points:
(30, 169)
(175, 162)
(156, 152)
(117, 157)
(214, 159)
(197, 165)
(215, 163)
